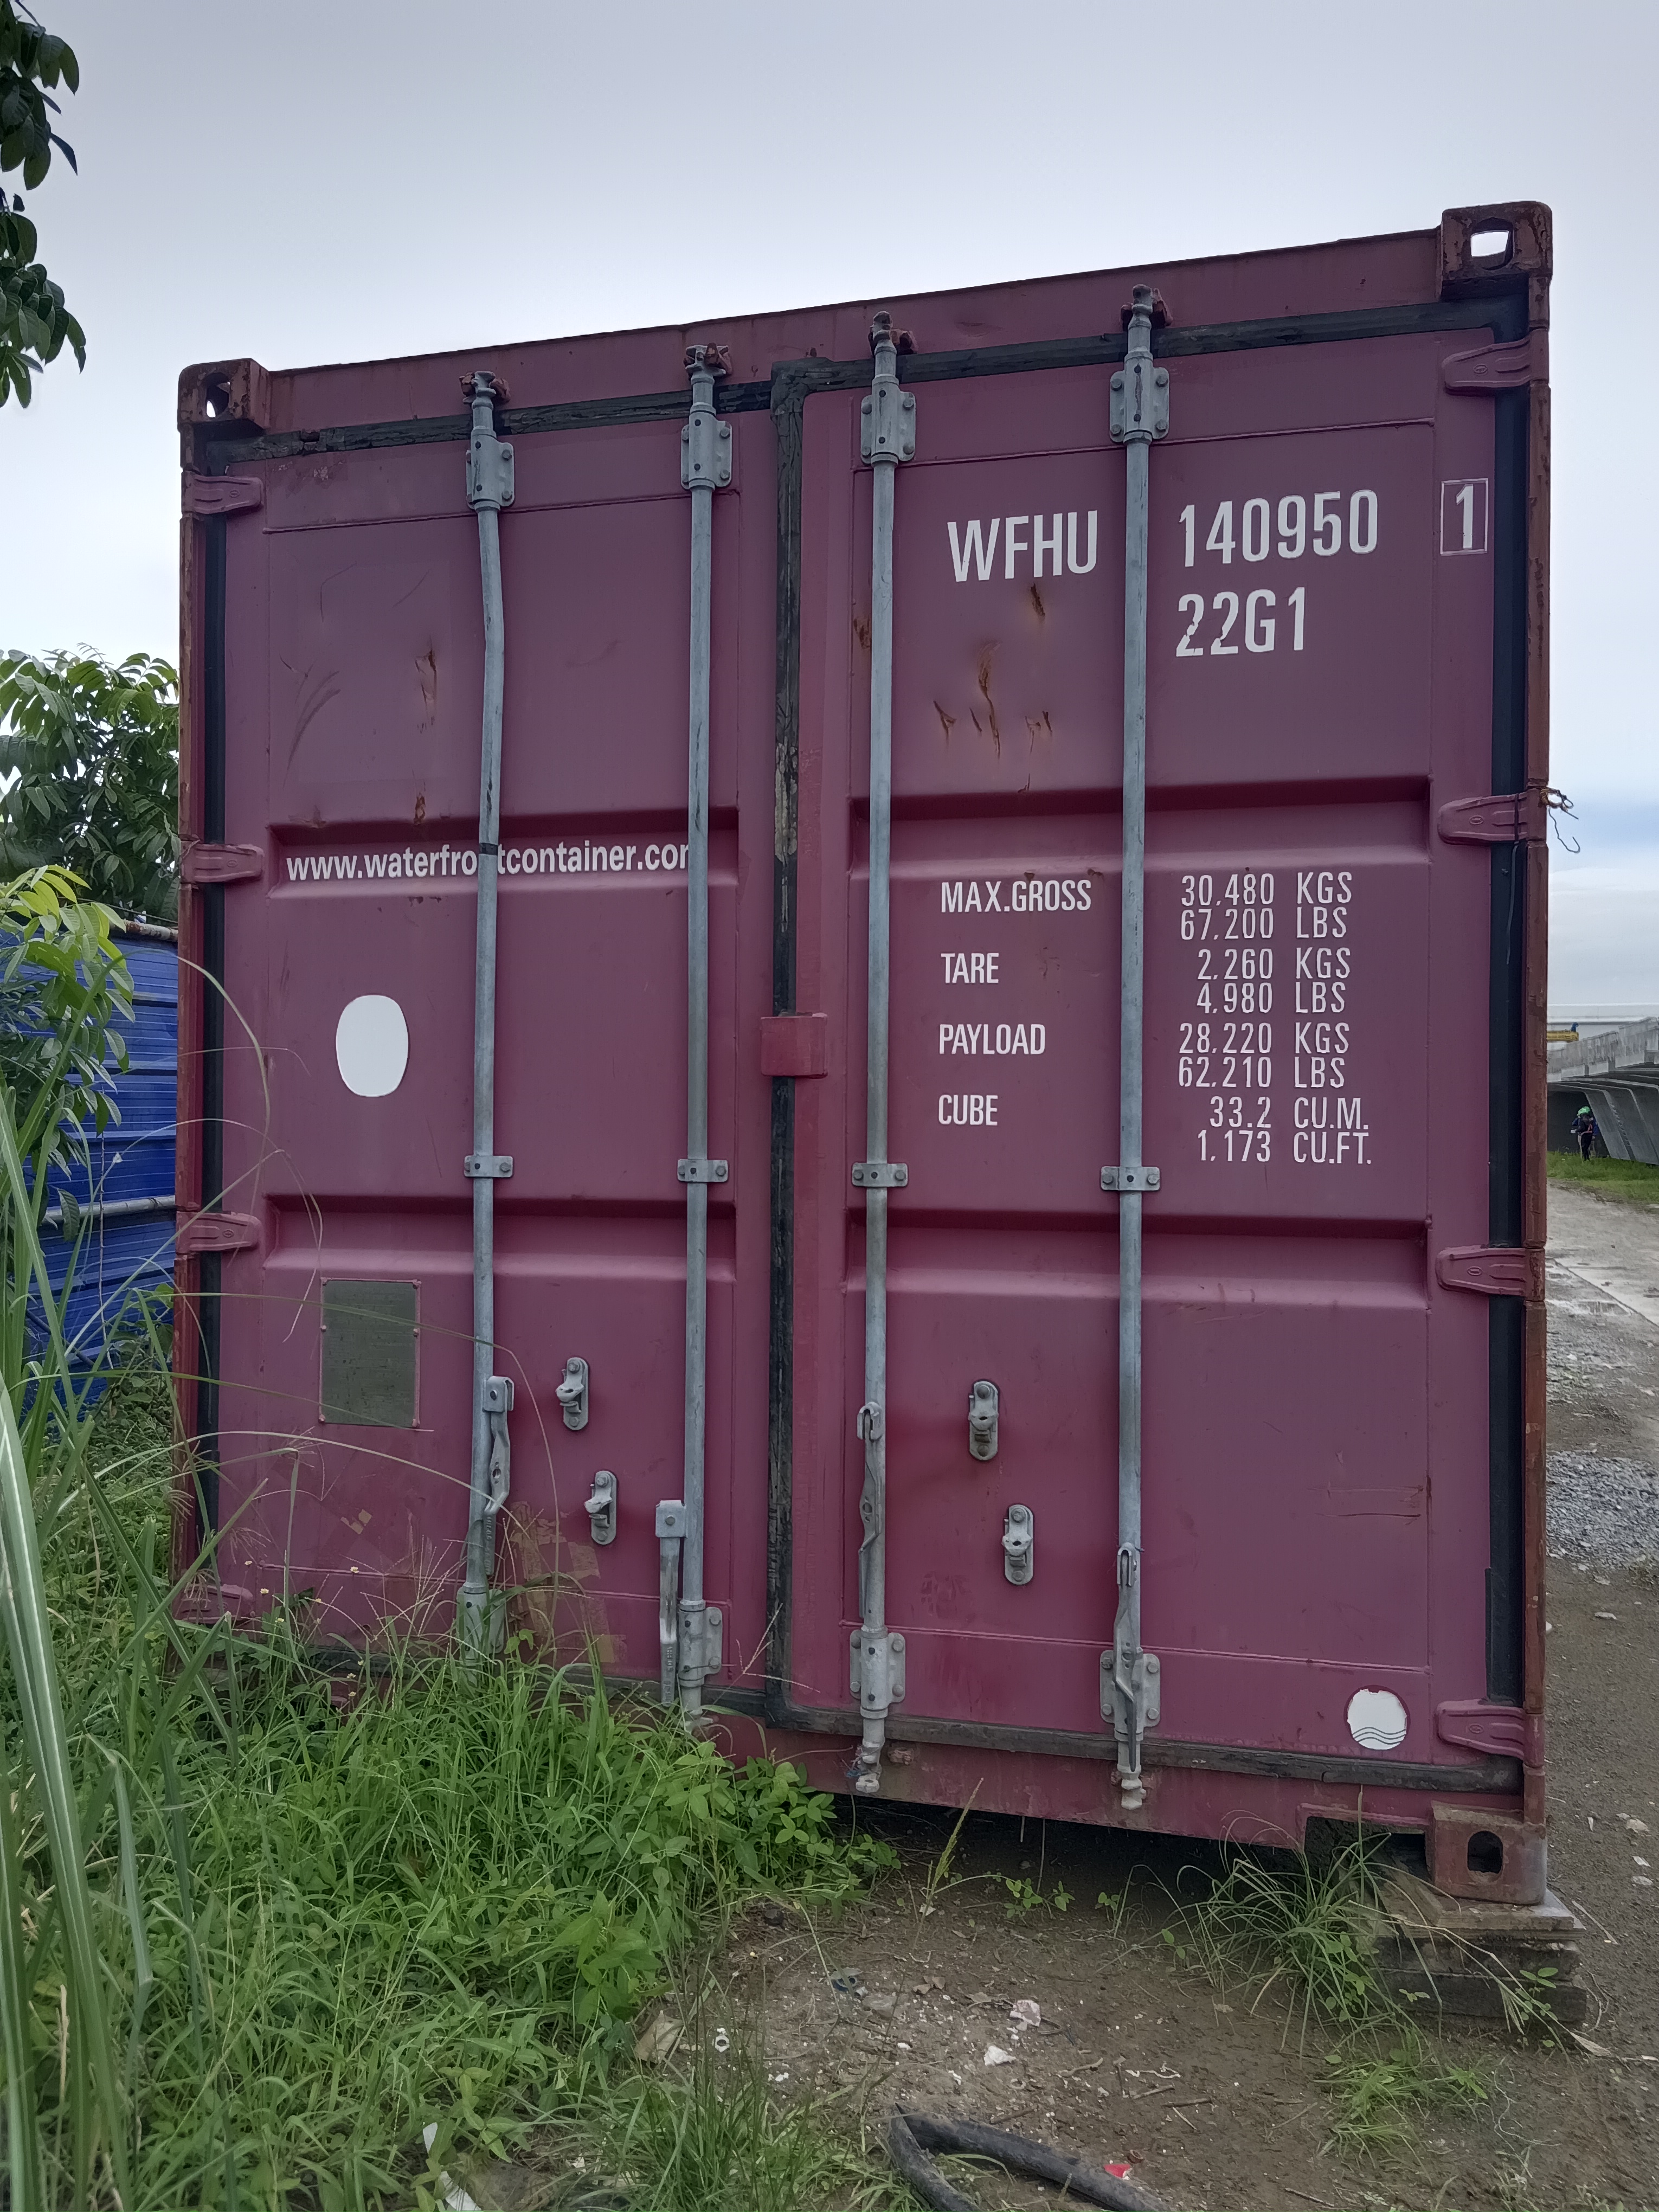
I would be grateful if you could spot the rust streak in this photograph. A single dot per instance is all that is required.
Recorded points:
(990, 703)
(947, 722)
(1036, 601)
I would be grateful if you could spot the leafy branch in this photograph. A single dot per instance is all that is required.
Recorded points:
(35, 322)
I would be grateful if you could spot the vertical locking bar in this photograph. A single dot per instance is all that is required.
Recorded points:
(889, 437)
(1140, 414)
(489, 489)
(705, 467)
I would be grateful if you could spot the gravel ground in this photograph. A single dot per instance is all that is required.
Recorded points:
(1604, 1380)
(1605, 1511)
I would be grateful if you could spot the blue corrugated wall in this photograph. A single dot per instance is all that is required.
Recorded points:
(128, 1250)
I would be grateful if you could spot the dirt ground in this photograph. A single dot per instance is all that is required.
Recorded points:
(1215, 2100)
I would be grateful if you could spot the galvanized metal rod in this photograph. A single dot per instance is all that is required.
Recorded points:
(489, 488)
(1141, 418)
(692, 1606)
(888, 439)
(873, 1558)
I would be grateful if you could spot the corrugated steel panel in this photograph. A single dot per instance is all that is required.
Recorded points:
(125, 1187)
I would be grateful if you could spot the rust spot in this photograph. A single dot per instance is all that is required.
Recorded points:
(947, 722)
(420, 806)
(862, 631)
(1038, 726)
(426, 672)
(1036, 601)
(990, 703)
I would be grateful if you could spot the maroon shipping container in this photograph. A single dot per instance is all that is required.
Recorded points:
(937, 1143)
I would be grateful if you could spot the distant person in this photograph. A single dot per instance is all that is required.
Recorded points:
(1583, 1127)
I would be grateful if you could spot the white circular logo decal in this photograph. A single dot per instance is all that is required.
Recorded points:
(371, 1043)
(1377, 1719)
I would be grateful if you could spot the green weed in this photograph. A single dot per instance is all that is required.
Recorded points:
(1374, 2087)
(939, 1874)
(712, 2140)
(1303, 1926)
(1026, 1897)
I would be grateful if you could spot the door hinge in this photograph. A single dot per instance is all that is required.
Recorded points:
(205, 496)
(1509, 817)
(202, 863)
(216, 1232)
(1495, 1271)
(1504, 1730)
(1500, 368)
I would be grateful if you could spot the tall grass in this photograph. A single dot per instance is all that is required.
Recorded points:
(262, 1923)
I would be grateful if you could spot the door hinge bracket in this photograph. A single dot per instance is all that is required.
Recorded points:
(216, 1232)
(1495, 1271)
(202, 863)
(1506, 1731)
(1509, 817)
(209, 495)
(1503, 367)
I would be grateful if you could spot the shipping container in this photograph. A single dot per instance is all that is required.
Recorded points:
(870, 1020)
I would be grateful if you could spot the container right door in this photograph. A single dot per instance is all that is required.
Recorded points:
(1319, 1515)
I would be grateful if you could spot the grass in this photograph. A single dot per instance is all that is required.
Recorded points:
(262, 1925)
(1377, 2083)
(1291, 1923)
(1629, 1179)
(324, 1923)
(1306, 1927)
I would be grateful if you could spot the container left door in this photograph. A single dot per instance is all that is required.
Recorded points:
(353, 653)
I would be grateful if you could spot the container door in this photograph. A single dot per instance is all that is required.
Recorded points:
(354, 641)
(1318, 966)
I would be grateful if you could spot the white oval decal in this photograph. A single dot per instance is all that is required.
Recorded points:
(1377, 1719)
(371, 1044)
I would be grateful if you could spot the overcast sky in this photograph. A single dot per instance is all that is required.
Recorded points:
(310, 182)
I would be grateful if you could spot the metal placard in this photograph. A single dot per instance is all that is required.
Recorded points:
(369, 1364)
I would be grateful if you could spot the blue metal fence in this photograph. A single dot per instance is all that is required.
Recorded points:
(125, 1190)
